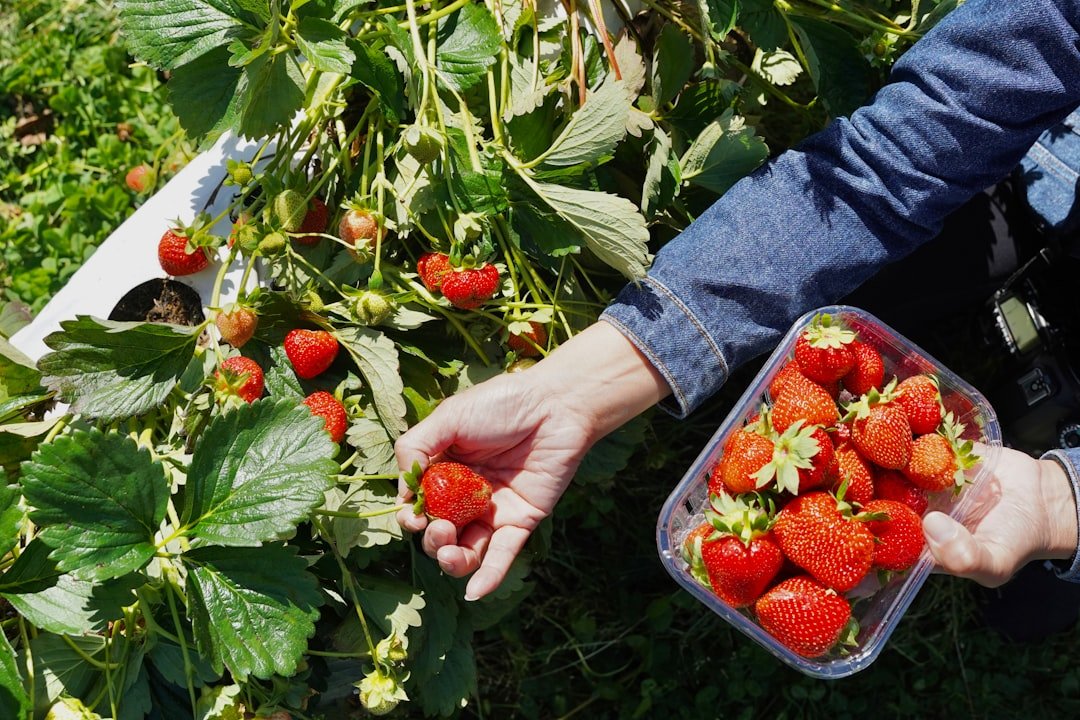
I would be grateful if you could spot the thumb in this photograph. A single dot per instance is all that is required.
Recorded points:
(955, 548)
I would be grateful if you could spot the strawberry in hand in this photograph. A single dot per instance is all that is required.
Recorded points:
(449, 491)
(939, 460)
(899, 535)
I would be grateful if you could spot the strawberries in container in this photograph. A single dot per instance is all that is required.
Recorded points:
(845, 439)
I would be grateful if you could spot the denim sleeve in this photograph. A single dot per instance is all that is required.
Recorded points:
(1069, 459)
(961, 108)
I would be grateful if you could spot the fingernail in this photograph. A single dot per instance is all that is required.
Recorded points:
(939, 529)
(471, 597)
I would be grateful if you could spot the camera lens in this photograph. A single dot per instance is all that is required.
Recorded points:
(1069, 437)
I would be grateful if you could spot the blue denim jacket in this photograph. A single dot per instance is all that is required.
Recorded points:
(963, 108)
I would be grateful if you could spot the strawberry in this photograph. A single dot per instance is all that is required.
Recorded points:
(880, 428)
(741, 558)
(822, 460)
(868, 371)
(452, 491)
(314, 221)
(289, 209)
(899, 534)
(528, 344)
(310, 351)
(691, 552)
(433, 269)
(803, 399)
(329, 408)
(849, 467)
(932, 465)
(921, 400)
(787, 373)
(174, 256)
(746, 452)
(358, 229)
(892, 485)
(804, 615)
(818, 533)
(237, 325)
(242, 377)
(823, 350)
(140, 178)
(471, 287)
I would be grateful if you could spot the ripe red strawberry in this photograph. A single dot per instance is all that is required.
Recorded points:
(899, 536)
(823, 350)
(803, 615)
(358, 229)
(848, 466)
(433, 269)
(242, 377)
(932, 465)
(537, 333)
(802, 399)
(880, 428)
(788, 372)
(237, 325)
(921, 400)
(818, 533)
(315, 221)
(329, 408)
(311, 352)
(174, 257)
(741, 557)
(746, 452)
(471, 287)
(892, 485)
(868, 371)
(822, 460)
(453, 491)
(140, 178)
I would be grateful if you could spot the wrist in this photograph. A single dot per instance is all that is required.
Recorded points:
(1060, 504)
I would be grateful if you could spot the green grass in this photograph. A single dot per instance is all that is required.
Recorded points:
(62, 185)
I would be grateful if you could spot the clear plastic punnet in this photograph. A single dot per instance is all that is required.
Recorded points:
(876, 607)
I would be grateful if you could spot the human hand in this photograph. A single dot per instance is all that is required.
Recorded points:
(1025, 512)
(526, 433)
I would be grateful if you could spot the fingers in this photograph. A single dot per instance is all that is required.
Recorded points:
(486, 554)
(959, 553)
(505, 545)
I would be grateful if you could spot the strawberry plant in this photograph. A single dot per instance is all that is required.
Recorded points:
(188, 535)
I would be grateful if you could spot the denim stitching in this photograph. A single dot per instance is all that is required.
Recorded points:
(693, 321)
(1072, 572)
(1049, 162)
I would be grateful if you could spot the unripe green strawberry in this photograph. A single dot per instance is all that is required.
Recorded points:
(237, 325)
(289, 209)
(174, 257)
(803, 615)
(240, 376)
(311, 352)
(329, 408)
(455, 492)
(423, 143)
(371, 308)
(379, 693)
(273, 244)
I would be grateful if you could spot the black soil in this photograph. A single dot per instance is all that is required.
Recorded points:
(160, 300)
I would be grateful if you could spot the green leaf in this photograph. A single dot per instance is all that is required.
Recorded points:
(272, 90)
(840, 73)
(611, 225)
(61, 603)
(673, 62)
(721, 16)
(377, 73)
(256, 473)
(252, 609)
(492, 608)
(393, 605)
(205, 95)
(778, 67)
(726, 151)
(445, 692)
(701, 103)
(14, 316)
(594, 129)
(363, 497)
(12, 517)
(659, 187)
(18, 376)
(764, 22)
(281, 381)
(376, 448)
(467, 43)
(60, 667)
(440, 620)
(14, 700)
(100, 499)
(324, 45)
(168, 658)
(377, 357)
(111, 370)
(169, 33)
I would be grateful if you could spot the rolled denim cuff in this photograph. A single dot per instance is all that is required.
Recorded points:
(673, 339)
(1070, 462)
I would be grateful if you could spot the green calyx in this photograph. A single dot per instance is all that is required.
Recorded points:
(745, 517)
(859, 409)
(412, 481)
(964, 450)
(822, 333)
(792, 451)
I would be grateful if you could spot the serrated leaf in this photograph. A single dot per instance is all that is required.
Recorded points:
(60, 669)
(111, 370)
(652, 191)
(764, 22)
(168, 658)
(272, 91)
(631, 65)
(527, 88)
(393, 605)
(673, 62)
(447, 691)
(841, 74)
(778, 67)
(440, 620)
(257, 472)
(611, 225)
(370, 439)
(377, 73)
(170, 33)
(280, 380)
(14, 700)
(205, 95)
(252, 609)
(377, 357)
(58, 602)
(18, 376)
(369, 496)
(720, 15)
(594, 129)
(100, 499)
(324, 45)
(467, 43)
(726, 151)
(12, 516)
